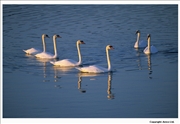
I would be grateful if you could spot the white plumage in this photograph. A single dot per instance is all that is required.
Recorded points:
(150, 49)
(96, 68)
(70, 62)
(46, 55)
(139, 43)
(33, 51)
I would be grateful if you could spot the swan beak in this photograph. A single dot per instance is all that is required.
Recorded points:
(137, 31)
(82, 42)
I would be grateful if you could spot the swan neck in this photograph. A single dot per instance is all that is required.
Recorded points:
(79, 53)
(55, 48)
(44, 44)
(149, 45)
(108, 60)
(138, 37)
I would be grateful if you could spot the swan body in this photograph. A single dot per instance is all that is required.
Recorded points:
(96, 68)
(46, 55)
(65, 62)
(70, 62)
(33, 51)
(138, 43)
(150, 49)
(93, 69)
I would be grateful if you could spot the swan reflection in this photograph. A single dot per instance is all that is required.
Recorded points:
(56, 77)
(110, 95)
(63, 69)
(42, 60)
(80, 75)
(79, 86)
(47, 72)
(44, 71)
(149, 66)
(149, 63)
(139, 59)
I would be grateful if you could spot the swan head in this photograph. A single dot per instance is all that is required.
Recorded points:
(148, 36)
(80, 42)
(45, 35)
(137, 32)
(109, 47)
(56, 36)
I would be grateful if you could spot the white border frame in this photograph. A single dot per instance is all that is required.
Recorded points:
(83, 120)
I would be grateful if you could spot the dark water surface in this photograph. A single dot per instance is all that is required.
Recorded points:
(141, 87)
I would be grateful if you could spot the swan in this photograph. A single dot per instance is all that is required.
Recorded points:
(150, 48)
(138, 43)
(96, 68)
(34, 51)
(45, 55)
(70, 62)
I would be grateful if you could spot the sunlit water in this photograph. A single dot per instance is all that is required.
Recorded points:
(140, 87)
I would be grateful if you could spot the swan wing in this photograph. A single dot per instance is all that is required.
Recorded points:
(142, 43)
(153, 49)
(136, 45)
(145, 50)
(65, 62)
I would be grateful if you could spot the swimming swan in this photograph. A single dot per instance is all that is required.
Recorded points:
(150, 48)
(138, 43)
(70, 62)
(34, 51)
(45, 55)
(96, 68)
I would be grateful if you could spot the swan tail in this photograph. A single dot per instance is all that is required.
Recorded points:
(25, 51)
(78, 68)
(52, 62)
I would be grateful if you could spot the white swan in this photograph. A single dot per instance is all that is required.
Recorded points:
(138, 43)
(45, 55)
(96, 68)
(70, 62)
(34, 51)
(150, 48)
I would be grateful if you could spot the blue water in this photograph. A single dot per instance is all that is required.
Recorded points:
(141, 86)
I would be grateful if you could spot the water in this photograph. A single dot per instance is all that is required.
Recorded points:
(140, 87)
